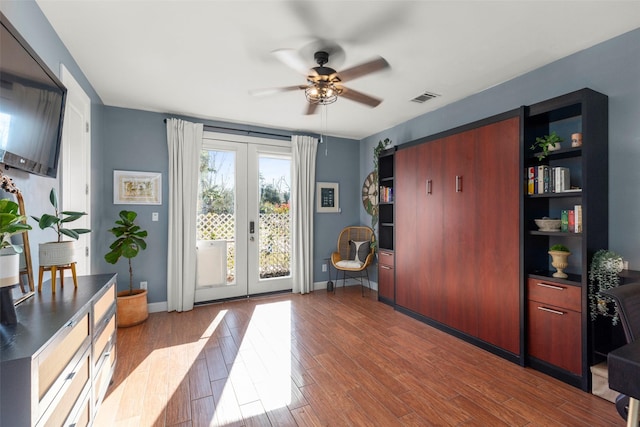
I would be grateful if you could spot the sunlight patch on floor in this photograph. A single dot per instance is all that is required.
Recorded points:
(264, 356)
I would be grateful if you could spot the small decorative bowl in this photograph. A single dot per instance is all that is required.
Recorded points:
(548, 224)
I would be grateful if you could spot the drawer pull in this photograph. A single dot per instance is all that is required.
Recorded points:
(386, 254)
(548, 310)
(555, 288)
(72, 323)
(429, 191)
(70, 376)
(384, 267)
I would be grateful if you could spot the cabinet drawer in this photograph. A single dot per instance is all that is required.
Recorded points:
(386, 258)
(104, 370)
(555, 294)
(83, 416)
(101, 307)
(553, 335)
(66, 402)
(56, 357)
(105, 338)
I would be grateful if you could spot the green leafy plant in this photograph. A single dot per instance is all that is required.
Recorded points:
(11, 223)
(559, 248)
(603, 275)
(545, 142)
(129, 241)
(58, 219)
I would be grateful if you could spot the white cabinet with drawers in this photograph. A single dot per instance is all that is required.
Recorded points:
(57, 362)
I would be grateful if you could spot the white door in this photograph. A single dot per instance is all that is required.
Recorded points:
(244, 221)
(76, 164)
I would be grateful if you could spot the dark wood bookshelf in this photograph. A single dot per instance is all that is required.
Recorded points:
(586, 112)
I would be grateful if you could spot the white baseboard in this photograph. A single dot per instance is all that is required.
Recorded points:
(156, 307)
(339, 284)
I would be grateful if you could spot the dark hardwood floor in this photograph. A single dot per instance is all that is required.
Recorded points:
(325, 359)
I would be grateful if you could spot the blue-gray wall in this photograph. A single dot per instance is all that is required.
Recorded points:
(136, 140)
(29, 20)
(613, 68)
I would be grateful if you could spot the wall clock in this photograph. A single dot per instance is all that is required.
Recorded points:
(370, 193)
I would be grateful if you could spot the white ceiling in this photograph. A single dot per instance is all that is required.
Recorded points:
(201, 58)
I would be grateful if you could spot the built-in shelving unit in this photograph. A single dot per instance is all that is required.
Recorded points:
(386, 223)
(551, 316)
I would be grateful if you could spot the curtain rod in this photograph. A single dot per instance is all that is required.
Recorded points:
(248, 132)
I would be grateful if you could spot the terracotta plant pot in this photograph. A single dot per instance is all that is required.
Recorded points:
(132, 309)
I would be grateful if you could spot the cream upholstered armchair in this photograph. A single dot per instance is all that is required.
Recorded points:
(355, 253)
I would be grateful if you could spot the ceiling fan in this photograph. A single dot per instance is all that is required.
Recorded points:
(324, 84)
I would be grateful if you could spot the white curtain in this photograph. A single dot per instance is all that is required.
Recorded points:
(184, 140)
(304, 149)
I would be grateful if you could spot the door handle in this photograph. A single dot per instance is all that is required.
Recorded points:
(458, 183)
(252, 227)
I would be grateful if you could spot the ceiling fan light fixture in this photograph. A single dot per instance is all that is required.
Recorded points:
(322, 93)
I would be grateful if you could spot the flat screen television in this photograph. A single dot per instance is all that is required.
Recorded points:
(32, 101)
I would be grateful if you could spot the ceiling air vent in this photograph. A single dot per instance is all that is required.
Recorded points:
(424, 97)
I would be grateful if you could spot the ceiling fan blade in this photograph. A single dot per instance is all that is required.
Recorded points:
(311, 109)
(362, 69)
(307, 14)
(292, 59)
(360, 97)
(272, 90)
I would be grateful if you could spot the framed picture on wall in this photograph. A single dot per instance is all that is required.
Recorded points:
(327, 197)
(137, 188)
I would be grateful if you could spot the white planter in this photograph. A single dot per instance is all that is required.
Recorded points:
(554, 147)
(9, 268)
(57, 253)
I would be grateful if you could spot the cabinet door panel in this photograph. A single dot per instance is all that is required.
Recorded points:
(429, 200)
(407, 282)
(459, 242)
(497, 223)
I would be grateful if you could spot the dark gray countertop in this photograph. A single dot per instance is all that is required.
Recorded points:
(43, 315)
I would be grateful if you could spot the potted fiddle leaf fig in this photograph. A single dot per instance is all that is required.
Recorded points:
(60, 252)
(132, 303)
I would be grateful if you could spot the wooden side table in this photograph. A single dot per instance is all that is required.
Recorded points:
(54, 269)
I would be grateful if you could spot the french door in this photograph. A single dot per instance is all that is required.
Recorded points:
(244, 220)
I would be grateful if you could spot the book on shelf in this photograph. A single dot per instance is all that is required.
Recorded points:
(545, 179)
(564, 220)
(562, 179)
(540, 176)
(531, 180)
(578, 218)
(386, 194)
(571, 226)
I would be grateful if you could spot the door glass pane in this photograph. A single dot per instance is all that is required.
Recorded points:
(275, 217)
(216, 210)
